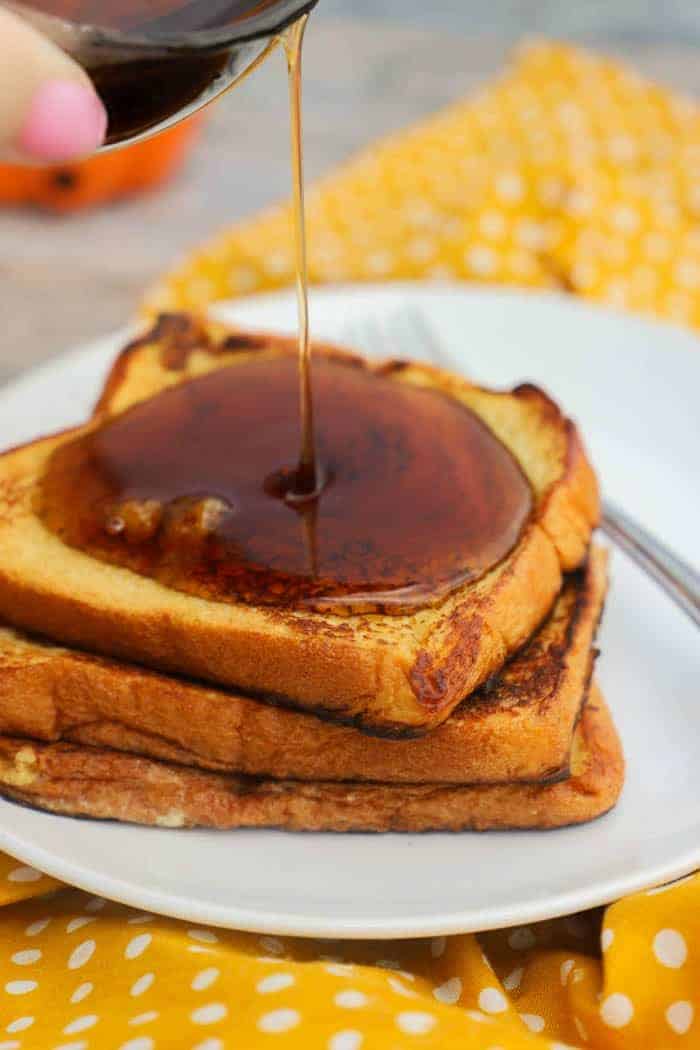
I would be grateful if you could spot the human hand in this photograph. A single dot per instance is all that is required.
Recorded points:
(49, 110)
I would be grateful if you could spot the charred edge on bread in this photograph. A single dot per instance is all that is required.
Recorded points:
(550, 409)
(181, 334)
(483, 696)
(429, 684)
(592, 659)
(241, 784)
(46, 806)
(334, 716)
(27, 801)
(241, 341)
(547, 678)
(178, 335)
(393, 366)
(117, 374)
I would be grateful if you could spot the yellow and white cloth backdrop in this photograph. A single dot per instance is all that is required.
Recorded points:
(569, 172)
(81, 973)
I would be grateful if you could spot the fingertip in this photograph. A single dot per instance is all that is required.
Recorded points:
(65, 119)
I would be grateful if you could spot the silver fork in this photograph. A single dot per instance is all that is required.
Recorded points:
(408, 334)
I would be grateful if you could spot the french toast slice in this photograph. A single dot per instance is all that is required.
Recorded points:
(95, 782)
(388, 674)
(518, 727)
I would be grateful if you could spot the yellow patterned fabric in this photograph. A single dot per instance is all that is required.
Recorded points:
(569, 172)
(80, 973)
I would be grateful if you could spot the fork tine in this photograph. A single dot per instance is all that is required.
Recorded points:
(405, 333)
(388, 344)
(367, 334)
(423, 334)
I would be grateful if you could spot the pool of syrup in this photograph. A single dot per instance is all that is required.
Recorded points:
(196, 488)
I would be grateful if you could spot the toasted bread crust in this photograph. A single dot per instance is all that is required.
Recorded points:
(81, 781)
(388, 674)
(517, 728)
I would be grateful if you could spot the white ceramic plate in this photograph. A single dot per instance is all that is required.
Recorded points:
(633, 385)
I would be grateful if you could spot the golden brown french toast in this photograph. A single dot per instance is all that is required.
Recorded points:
(93, 782)
(518, 727)
(389, 674)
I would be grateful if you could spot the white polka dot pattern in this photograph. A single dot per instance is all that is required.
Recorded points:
(279, 1021)
(400, 988)
(513, 980)
(276, 982)
(670, 948)
(437, 947)
(26, 957)
(492, 1001)
(205, 979)
(449, 992)
(349, 1039)
(82, 954)
(272, 945)
(351, 999)
(145, 1018)
(20, 1024)
(142, 1042)
(205, 936)
(82, 992)
(415, 1022)
(339, 969)
(360, 990)
(533, 1021)
(679, 1016)
(137, 946)
(81, 1024)
(209, 1014)
(617, 1010)
(37, 927)
(78, 922)
(476, 1015)
(142, 984)
(20, 987)
(606, 939)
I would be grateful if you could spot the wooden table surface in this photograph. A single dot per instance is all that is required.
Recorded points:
(64, 281)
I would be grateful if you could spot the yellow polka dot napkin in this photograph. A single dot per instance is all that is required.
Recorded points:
(569, 172)
(80, 973)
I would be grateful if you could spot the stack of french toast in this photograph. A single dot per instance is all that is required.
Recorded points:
(130, 697)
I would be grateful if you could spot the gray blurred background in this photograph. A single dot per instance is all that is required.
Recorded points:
(594, 19)
(371, 66)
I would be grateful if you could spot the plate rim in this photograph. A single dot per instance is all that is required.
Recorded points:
(298, 923)
(290, 924)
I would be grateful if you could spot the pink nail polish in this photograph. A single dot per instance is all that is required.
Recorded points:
(66, 119)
